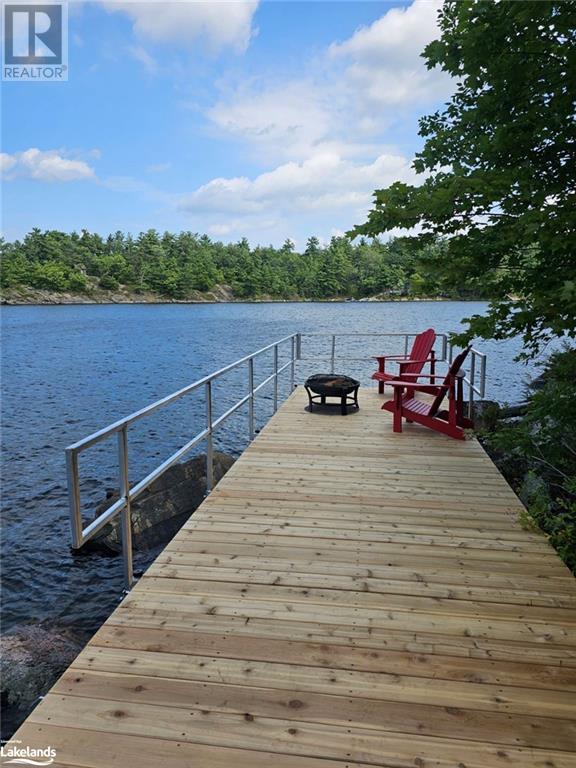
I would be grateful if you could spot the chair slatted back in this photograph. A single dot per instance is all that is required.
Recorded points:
(421, 349)
(457, 364)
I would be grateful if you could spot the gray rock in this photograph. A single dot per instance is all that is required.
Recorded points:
(163, 508)
(485, 414)
(32, 659)
(534, 490)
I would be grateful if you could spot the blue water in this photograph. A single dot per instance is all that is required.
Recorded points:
(69, 370)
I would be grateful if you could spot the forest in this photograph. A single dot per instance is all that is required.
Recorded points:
(177, 265)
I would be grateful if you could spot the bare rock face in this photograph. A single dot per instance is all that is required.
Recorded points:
(485, 414)
(32, 659)
(164, 507)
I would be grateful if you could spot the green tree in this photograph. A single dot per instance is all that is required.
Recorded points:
(14, 266)
(113, 265)
(50, 275)
(176, 265)
(77, 282)
(499, 166)
(310, 265)
(538, 454)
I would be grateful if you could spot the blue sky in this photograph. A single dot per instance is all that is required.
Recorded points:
(260, 119)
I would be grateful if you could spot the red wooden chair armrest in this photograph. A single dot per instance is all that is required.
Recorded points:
(429, 376)
(411, 360)
(390, 357)
(408, 384)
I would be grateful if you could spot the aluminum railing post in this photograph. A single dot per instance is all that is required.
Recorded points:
(472, 382)
(125, 514)
(292, 362)
(74, 498)
(483, 376)
(251, 429)
(275, 378)
(298, 346)
(333, 355)
(209, 440)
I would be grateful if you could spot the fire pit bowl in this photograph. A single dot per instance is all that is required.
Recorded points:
(323, 385)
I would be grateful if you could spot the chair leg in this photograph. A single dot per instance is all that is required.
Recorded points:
(380, 387)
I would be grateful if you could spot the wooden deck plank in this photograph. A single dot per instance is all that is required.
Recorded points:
(301, 739)
(346, 596)
(395, 716)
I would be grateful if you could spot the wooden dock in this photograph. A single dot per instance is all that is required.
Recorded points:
(346, 596)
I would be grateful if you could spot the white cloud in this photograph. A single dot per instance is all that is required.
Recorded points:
(396, 37)
(323, 195)
(383, 65)
(7, 162)
(140, 54)
(329, 136)
(353, 93)
(289, 120)
(324, 182)
(50, 165)
(219, 24)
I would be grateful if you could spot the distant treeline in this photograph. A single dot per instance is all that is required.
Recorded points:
(177, 265)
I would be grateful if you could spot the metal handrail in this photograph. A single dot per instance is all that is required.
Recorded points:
(475, 372)
(81, 534)
(440, 356)
(128, 494)
(477, 359)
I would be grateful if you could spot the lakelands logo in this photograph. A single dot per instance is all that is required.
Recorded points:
(35, 42)
(12, 754)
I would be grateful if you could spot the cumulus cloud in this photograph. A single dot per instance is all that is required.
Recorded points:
(396, 37)
(324, 182)
(219, 24)
(354, 92)
(238, 227)
(49, 165)
(7, 162)
(383, 65)
(326, 193)
(290, 119)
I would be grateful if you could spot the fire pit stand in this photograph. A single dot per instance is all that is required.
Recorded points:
(323, 385)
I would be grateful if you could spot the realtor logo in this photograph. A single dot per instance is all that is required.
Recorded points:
(12, 754)
(35, 42)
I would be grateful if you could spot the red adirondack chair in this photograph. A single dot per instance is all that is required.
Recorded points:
(420, 354)
(405, 406)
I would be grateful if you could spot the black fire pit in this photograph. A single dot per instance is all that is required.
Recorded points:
(323, 385)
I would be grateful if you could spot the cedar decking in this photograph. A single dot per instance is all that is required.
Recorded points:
(345, 597)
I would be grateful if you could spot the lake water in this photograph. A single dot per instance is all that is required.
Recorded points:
(69, 370)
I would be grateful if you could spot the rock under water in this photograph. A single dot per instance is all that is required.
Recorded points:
(32, 657)
(163, 508)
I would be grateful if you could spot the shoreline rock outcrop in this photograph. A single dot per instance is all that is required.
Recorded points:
(33, 657)
(163, 508)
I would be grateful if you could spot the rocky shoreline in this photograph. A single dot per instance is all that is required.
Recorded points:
(33, 656)
(221, 294)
